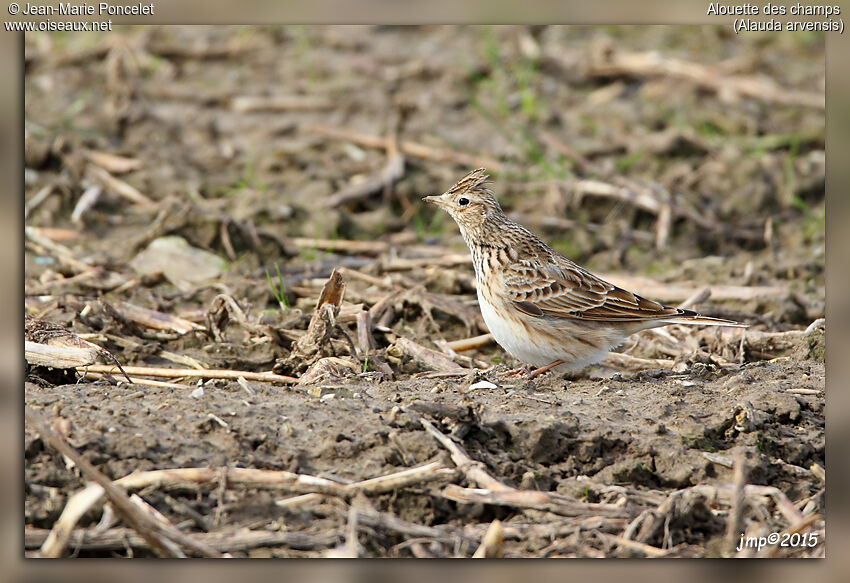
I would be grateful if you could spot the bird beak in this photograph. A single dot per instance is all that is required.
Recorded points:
(437, 200)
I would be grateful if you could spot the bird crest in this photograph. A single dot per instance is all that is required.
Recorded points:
(474, 181)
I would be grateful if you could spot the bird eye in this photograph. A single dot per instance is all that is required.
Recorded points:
(463, 201)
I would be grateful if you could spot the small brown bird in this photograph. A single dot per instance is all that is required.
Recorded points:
(541, 307)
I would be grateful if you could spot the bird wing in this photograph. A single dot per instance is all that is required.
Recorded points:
(562, 288)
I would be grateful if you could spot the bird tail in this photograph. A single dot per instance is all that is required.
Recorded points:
(692, 318)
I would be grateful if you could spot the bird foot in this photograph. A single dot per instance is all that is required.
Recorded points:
(532, 373)
(523, 370)
(539, 371)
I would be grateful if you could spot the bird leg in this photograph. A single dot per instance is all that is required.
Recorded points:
(539, 371)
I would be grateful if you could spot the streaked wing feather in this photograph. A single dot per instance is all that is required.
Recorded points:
(566, 290)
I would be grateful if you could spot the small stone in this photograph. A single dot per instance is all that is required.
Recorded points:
(197, 393)
(482, 385)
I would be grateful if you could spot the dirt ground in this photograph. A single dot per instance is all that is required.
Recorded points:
(190, 190)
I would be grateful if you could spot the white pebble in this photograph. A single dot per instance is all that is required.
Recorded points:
(482, 385)
(197, 393)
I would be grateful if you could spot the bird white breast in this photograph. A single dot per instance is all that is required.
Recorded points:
(524, 344)
(511, 335)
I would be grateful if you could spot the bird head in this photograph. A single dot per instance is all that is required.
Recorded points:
(469, 202)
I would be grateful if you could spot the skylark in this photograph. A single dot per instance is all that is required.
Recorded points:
(541, 307)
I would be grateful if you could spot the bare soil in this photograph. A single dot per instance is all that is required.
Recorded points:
(240, 136)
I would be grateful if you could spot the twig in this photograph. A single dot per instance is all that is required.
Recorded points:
(119, 187)
(640, 198)
(678, 292)
(59, 251)
(383, 283)
(629, 362)
(422, 356)
(174, 373)
(410, 148)
(152, 530)
(474, 471)
(639, 547)
(735, 520)
(392, 171)
(405, 264)
(154, 319)
(87, 200)
(375, 519)
(697, 297)
(138, 381)
(59, 356)
(48, 344)
(225, 542)
(651, 64)
(83, 500)
(365, 340)
(253, 103)
(491, 544)
(470, 343)
(113, 163)
(339, 245)
(560, 223)
(389, 483)
(423, 474)
(37, 199)
(533, 499)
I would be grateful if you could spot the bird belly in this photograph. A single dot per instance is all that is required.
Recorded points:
(515, 336)
(540, 341)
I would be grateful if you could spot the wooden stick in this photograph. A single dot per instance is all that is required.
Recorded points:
(405, 264)
(642, 548)
(423, 474)
(533, 499)
(423, 356)
(696, 298)
(59, 251)
(253, 103)
(376, 519)
(138, 381)
(392, 171)
(474, 471)
(420, 475)
(383, 283)
(681, 291)
(470, 343)
(154, 319)
(59, 356)
(650, 64)
(629, 362)
(83, 500)
(174, 373)
(640, 199)
(224, 542)
(37, 199)
(735, 520)
(339, 245)
(113, 163)
(410, 148)
(491, 544)
(119, 187)
(85, 203)
(152, 530)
